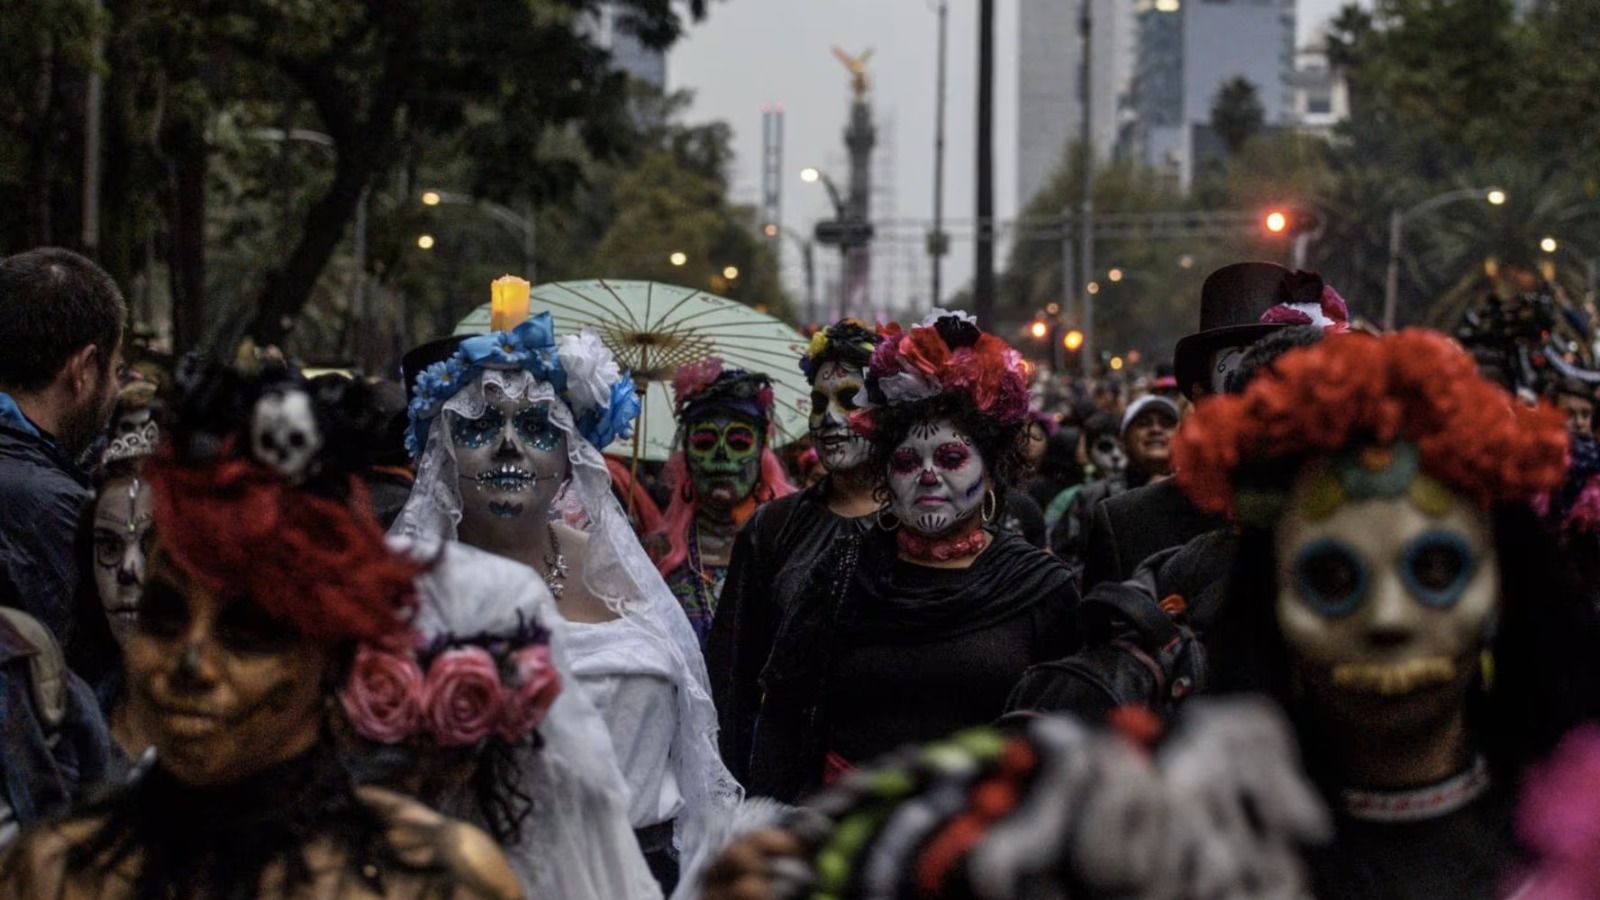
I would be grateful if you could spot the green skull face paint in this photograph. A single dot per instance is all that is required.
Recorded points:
(724, 455)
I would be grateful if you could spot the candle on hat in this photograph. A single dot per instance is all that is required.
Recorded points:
(508, 302)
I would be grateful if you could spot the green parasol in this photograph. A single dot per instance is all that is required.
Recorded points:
(653, 328)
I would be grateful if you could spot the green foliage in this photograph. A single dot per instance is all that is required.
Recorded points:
(1236, 113)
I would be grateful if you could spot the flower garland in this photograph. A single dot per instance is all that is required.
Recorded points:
(849, 339)
(707, 382)
(583, 372)
(948, 352)
(473, 688)
(1352, 391)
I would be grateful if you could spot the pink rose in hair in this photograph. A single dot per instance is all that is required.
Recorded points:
(383, 696)
(538, 685)
(462, 698)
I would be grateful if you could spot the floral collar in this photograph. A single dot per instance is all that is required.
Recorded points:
(1417, 804)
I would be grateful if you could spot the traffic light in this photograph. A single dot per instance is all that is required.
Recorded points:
(1285, 222)
(1277, 222)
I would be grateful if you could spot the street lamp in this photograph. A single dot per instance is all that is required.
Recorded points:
(678, 258)
(730, 272)
(1391, 287)
(812, 175)
(1038, 329)
(425, 241)
(807, 249)
(1114, 275)
(521, 225)
(1549, 245)
(809, 175)
(1092, 287)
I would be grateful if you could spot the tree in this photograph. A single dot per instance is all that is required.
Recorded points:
(1236, 113)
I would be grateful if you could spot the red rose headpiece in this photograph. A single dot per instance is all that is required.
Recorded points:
(1354, 391)
(948, 353)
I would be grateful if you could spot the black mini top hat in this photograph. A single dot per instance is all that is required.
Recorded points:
(1232, 301)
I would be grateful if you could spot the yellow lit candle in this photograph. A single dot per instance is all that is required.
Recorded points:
(508, 302)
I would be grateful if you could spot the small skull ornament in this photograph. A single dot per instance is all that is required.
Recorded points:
(284, 433)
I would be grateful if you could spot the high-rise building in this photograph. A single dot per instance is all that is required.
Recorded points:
(628, 55)
(1187, 50)
(1049, 89)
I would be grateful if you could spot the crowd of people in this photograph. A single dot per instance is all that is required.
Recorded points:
(1310, 611)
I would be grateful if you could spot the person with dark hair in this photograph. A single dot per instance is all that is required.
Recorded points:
(1575, 398)
(724, 470)
(1394, 593)
(61, 324)
(919, 626)
(1145, 437)
(267, 574)
(784, 540)
(1239, 305)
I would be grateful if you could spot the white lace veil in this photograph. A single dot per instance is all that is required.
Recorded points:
(577, 843)
(616, 569)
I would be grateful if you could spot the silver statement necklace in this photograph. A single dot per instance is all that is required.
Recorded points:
(555, 566)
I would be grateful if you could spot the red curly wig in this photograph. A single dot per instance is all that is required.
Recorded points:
(316, 562)
(1354, 389)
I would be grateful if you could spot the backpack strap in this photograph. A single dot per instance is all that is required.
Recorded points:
(47, 667)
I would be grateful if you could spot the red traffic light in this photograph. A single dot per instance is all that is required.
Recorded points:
(1277, 221)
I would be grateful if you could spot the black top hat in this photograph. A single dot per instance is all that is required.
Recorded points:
(418, 358)
(1231, 304)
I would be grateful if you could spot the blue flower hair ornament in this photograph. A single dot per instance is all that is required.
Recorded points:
(582, 371)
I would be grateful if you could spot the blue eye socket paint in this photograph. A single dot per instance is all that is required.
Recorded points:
(1330, 577)
(474, 434)
(1437, 566)
(535, 427)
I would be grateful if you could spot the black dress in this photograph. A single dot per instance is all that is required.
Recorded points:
(773, 556)
(877, 652)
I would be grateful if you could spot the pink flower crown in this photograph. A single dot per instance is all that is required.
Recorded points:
(947, 352)
(472, 689)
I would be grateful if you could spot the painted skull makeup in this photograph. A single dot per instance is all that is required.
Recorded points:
(1107, 455)
(222, 689)
(833, 399)
(1385, 603)
(724, 457)
(510, 461)
(937, 479)
(122, 518)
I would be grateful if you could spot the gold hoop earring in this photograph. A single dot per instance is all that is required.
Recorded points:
(991, 505)
(881, 511)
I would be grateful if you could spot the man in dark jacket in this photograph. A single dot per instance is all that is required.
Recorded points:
(61, 324)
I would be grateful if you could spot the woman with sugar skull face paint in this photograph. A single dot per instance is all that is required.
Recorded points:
(922, 624)
(260, 584)
(784, 540)
(725, 471)
(1393, 590)
(508, 429)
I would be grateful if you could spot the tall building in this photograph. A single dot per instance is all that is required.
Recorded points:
(1049, 89)
(1187, 49)
(627, 53)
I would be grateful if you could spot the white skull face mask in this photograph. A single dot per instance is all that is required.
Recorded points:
(122, 519)
(937, 478)
(1108, 456)
(510, 461)
(833, 399)
(284, 433)
(1385, 607)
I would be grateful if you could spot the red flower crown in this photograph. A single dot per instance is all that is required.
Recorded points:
(949, 353)
(1352, 390)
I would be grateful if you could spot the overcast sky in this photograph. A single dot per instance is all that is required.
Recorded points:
(752, 53)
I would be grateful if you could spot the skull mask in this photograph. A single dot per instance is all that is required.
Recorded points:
(284, 432)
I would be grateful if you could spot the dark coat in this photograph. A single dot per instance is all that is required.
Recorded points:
(43, 496)
(1126, 529)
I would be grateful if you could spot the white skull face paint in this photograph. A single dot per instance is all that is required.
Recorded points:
(122, 517)
(1108, 456)
(1385, 608)
(284, 433)
(510, 461)
(833, 399)
(937, 478)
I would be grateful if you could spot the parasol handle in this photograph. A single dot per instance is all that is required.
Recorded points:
(633, 468)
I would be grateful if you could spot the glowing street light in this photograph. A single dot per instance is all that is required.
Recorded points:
(1092, 287)
(1053, 309)
(730, 272)
(1549, 245)
(431, 198)
(770, 230)
(678, 258)
(1495, 196)
(1277, 222)
(1038, 330)
(1186, 261)
(1072, 340)
(1114, 275)
(809, 174)
(425, 241)
(1116, 363)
